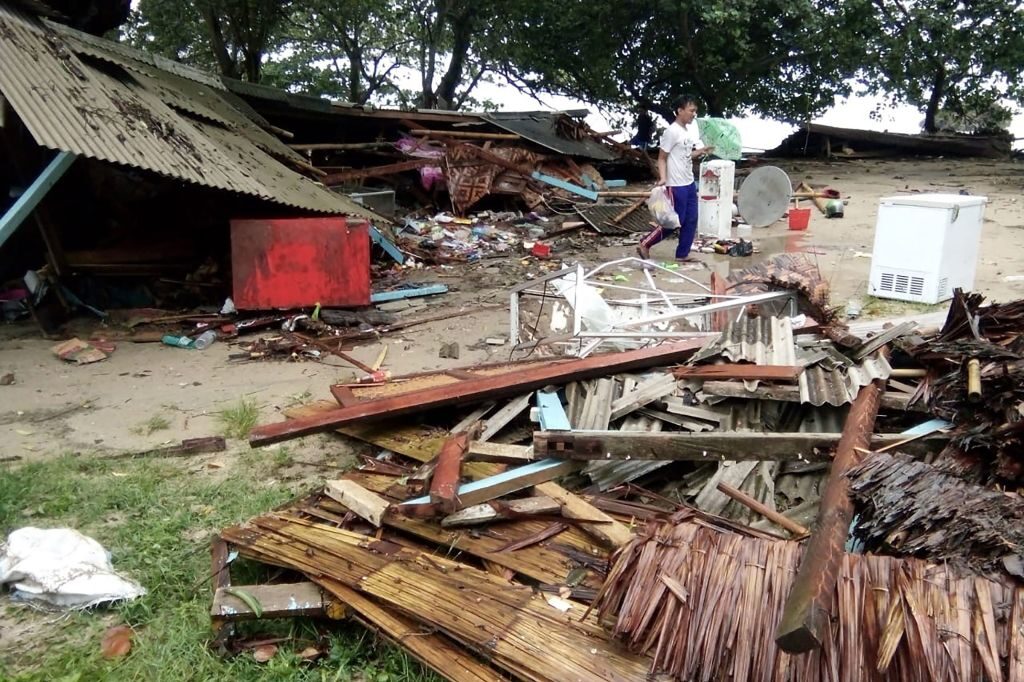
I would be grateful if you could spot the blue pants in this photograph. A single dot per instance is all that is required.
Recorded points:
(684, 201)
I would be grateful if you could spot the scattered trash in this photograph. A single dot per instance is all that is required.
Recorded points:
(117, 642)
(61, 567)
(78, 351)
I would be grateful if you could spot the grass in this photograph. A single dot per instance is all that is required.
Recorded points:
(156, 520)
(157, 422)
(237, 421)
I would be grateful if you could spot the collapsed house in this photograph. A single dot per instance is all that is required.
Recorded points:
(815, 139)
(147, 183)
(781, 499)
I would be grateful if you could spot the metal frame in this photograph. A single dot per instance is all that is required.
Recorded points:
(677, 306)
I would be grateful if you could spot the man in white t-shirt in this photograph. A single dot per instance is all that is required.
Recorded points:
(680, 145)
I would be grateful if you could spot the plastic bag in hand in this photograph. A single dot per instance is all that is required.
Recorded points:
(660, 206)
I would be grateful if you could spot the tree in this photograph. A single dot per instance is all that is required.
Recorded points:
(780, 58)
(234, 36)
(946, 54)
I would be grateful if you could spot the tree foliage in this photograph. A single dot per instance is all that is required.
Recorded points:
(945, 54)
(785, 59)
(768, 56)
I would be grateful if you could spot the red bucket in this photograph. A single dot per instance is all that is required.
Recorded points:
(799, 218)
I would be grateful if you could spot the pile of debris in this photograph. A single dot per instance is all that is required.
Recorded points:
(701, 526)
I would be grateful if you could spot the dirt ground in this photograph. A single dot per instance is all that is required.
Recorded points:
(55, 408)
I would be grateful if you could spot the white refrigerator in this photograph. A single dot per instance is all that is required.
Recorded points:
(926, 245)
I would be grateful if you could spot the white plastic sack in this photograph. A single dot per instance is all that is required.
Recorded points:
(61, 567)
(660, 206)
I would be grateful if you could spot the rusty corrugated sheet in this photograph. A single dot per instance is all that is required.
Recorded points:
(600, 217)
(100, 110)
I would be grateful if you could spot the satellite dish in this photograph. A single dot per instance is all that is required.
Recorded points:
(764, 196)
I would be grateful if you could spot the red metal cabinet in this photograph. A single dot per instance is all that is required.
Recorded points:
(298, 262)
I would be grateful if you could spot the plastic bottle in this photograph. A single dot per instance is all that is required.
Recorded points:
(203, 341)
(177, 341)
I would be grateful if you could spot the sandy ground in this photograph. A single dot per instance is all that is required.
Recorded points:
(55, 408)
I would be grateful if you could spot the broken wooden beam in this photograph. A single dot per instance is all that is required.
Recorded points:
(743, 371)
(475, 390)
(806, 616)
(499, 510)
(602, 527)
(286, 600)
(445, 483)
(187, 448)
(357, 499)
(506, 482)
(502, 453)
(709, 446)
(376, 171)
(464, 135)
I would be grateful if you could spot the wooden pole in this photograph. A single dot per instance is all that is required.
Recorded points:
(775, 517)
(805, 619)
(974, 380)
(465, 135)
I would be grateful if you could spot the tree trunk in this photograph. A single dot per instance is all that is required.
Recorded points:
(938, 92)
(462, 33)
(228, 66)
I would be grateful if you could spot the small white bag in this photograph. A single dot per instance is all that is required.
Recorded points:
(660, 206)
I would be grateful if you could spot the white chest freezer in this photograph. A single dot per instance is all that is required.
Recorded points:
(926, 245)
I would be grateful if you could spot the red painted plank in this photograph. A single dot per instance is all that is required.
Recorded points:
(474, 390)
(445, 483)
(298, 262)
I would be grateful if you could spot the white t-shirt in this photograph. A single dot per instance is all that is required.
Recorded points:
(679, 142)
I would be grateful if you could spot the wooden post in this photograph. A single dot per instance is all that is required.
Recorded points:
(445, 484)
(805, 619)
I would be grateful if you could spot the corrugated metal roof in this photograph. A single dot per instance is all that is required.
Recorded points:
(769, 341)
(102, 112)
(539, 128)
(600, 217)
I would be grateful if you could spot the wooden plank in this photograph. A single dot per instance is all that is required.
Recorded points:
(481, 451)
(714, 446)
(497, 510)
(791, 394)
(519, 630)
(357, 499)
(506, 482)
(743, 371)
(23, 206)
(645, 393)
(375, 172)
(434, 650)
(502, 417)
(677, 406)
(605, 529)
(220, 577)
(474, 390)
(289, 600)
(550, 413)
(806, 617)
(445, 483)
(459, 134)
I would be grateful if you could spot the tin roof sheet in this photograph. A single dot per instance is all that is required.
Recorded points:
(141, 117)
(769, 340)
(540, 128)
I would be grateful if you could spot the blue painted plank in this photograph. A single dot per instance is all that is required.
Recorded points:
(567, 186)
(389, 248)
(397, 294)
(511, 474)
(27, 202)
(552, 414)
(614, 183)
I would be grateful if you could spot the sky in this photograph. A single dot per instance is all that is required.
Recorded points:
(758, 133)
